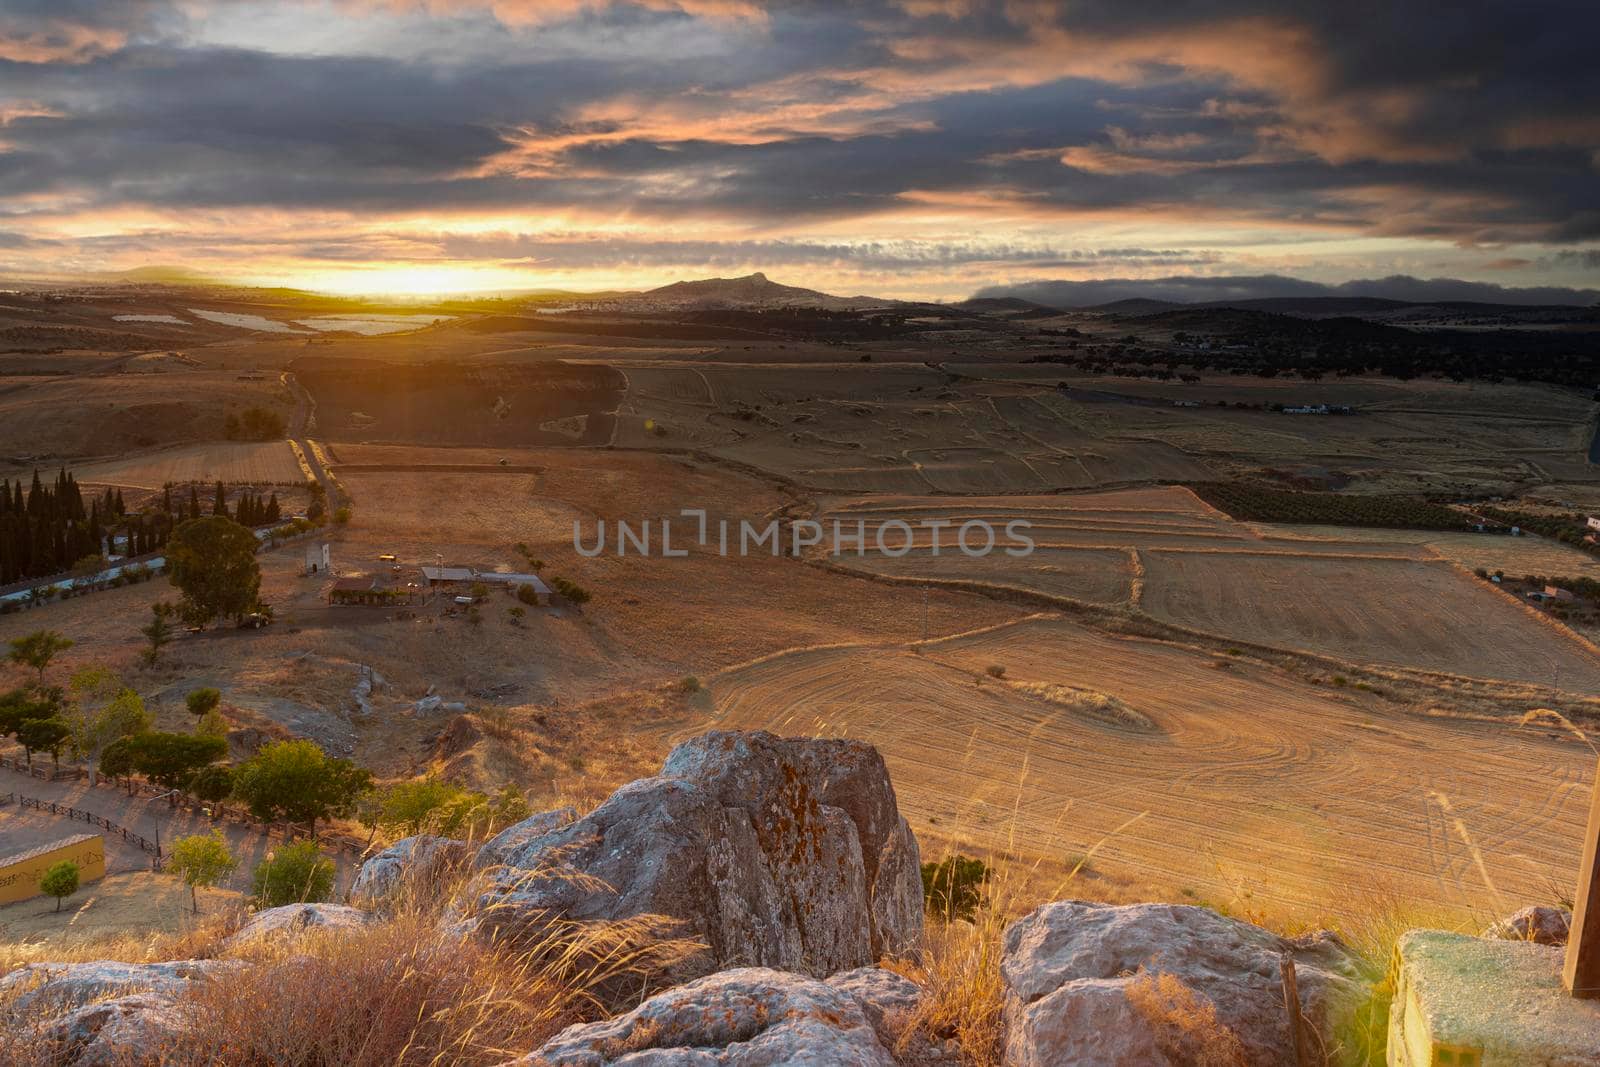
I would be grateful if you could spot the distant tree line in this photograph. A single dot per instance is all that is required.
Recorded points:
(1253, 502)
(48, 529)
(1268, 345)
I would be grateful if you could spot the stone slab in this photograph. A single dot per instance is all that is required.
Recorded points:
(1464, 1001)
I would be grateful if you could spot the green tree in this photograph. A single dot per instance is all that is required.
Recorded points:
(60, 881)
(18, 706)
(409, 806)
(44, 735)
(296, 781)
(212, 724)
(200, 701)
(37, 650)
(117, 760)
(93, 729)
(201, 860)
(171, 759)
(212, 561)
(295, 873)
(212, 784)
(158, 632)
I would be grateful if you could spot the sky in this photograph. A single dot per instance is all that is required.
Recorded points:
(920, 149)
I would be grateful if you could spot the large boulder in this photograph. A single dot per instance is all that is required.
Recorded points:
(101, 1012)
(1084, 985)
(411, 860)
(47, 987)
(293, 920)
(513, 839)
(747, 1017)
(772, 852)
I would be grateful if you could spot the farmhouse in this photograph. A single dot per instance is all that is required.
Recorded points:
(375, 592)
(455, 576)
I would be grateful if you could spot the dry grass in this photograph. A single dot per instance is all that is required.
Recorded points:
(1185, 1022)
(410, 990)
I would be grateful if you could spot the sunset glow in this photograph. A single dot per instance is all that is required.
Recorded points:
(916, 150)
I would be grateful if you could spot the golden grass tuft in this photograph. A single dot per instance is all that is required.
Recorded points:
(1185, 1023)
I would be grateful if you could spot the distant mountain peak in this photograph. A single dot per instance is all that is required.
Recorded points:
(751, 290)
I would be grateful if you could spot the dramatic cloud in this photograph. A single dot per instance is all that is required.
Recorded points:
(1318, 139)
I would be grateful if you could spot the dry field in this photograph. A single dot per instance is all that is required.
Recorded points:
(1514, 555)
(137, 904)
(1228, 781)
(1382, 611)
(1360, 596)
(249, 463)
(902, 428)
(906, 428)
(1407, 436)
(110, 414)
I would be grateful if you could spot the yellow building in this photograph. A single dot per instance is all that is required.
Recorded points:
(20, 873)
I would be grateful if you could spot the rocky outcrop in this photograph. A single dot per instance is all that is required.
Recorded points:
(292, 920)
(890, 1003)
(43, 987)
(103, 1012)
(1540, 924)
(112, 1033)
(413, 860)
(773, 852)
(1069, 968)
(748, 1017)
(513, 839)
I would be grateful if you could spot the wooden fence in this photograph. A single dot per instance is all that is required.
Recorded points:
(216, 812)
(44, 774)
(107, 825)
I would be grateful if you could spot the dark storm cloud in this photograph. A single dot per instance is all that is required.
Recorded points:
(1476, 124)
(1191, 289)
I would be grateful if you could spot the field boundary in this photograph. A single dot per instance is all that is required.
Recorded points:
(1171, 633)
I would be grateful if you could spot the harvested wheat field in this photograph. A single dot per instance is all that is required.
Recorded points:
(1232, 782)
(249, 463)
(1099, 576)
(1366, 596)
(1402, 613)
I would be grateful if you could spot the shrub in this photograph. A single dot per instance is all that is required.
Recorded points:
(528, 595)
(689, 684)
(995, 670)
(341, 517)
(570, 590)
(296, 873)
(953, 887)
